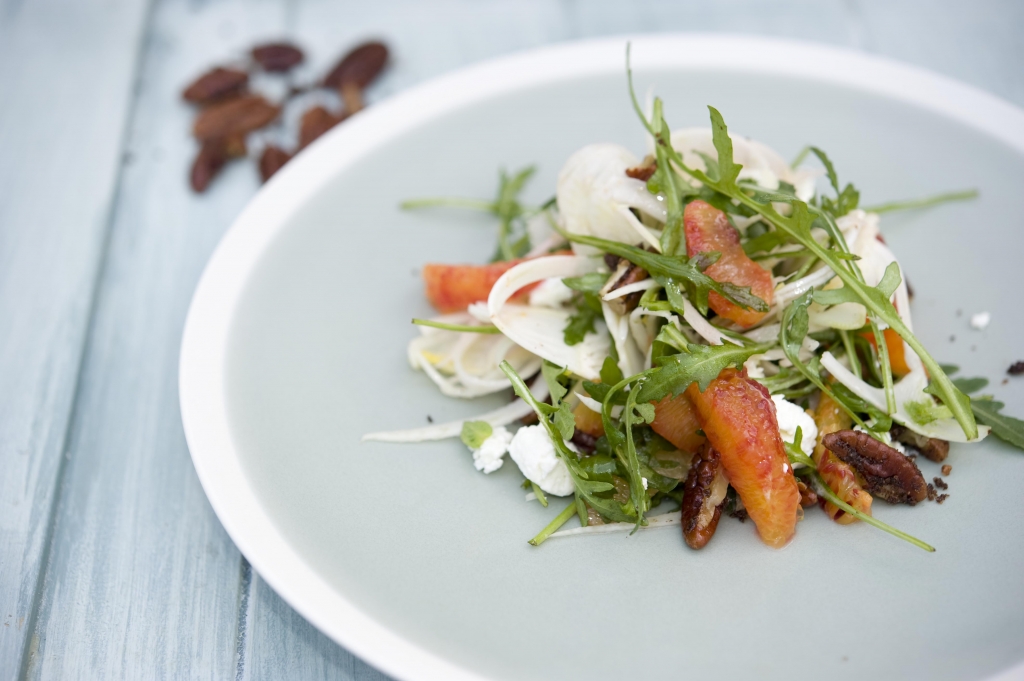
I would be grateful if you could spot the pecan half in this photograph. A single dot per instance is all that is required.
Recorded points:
(272, 159)
(277, 57)
(212, 157)
(315, 122)
(216, 84)
(240, 115)
(930, 447)
(703, 498)
(360, 66)
(645, 170)
(808, 497)
(625, 273)
(887, 473)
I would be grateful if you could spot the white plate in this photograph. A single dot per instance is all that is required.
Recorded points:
(294, 346)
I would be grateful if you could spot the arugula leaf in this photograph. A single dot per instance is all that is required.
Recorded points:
(474, 433)
(700, 364)
(646, 412)
(1006, 428)
(610, 373)
(847, 198)
(926, 411)
(678, 268)
(927, 202)
(965, 385)
(552, 372)
(565, 421)
(581, 323)
(592, 282)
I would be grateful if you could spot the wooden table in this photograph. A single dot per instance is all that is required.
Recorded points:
(112, 564)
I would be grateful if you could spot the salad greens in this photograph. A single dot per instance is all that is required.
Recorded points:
(618, 365)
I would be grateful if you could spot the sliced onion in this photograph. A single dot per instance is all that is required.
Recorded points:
(631, 358)
(594, 405)
(540, 330)
(502, 416)
(644, 285)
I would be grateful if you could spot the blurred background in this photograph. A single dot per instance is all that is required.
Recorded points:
(112, 564)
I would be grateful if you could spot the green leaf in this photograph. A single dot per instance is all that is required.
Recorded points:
(927, 202)
(890, 280)
(646, 412)
(701, 364)
(728, 171)
(926, 411)
(591, 282)
(565, 422)
(965, 385)
(539, 493)
(551, 373)
(474, 433)
(846, 199)
(610, 374)
(836, 296)
(588, 311)
(829, 168)
(1006, 428)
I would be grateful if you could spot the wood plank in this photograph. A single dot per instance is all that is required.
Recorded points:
(142, 581)
(67, 86)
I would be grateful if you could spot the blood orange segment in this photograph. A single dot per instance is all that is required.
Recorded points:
(708, 230)
(588, 420)
(739, 421)
(894, 344)
(676, 420)
(837, 474)
(451, 288)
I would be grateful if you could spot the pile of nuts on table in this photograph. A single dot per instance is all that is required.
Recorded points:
(228, 110)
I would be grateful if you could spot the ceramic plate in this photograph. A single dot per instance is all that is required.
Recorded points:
(406, 555)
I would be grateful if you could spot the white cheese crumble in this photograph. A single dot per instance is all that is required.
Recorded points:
(980, 321)
(534, 453)
(551, 293)
(790, 416)
(489, 457)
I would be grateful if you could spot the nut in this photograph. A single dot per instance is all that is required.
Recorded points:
(930, 447)
(703, 498)
(277, 57)
(887, 474)
(316, 122)
(240, 115)
(625, 273)
(216, 84)
(808, 497)
(271, 160)
(360, 66)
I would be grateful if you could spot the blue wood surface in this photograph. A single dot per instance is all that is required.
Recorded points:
(112, 564)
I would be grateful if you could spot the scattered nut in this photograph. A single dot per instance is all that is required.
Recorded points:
(888, 474)
(271, 160)
(940, 483)
(277, 57)
(703, 498)
(240, 115)
(947, 469)
(360, 66)
(352, 95)
(931, 448)
(208, 163)
(316, 122)
(1016, 369)
(215, 85)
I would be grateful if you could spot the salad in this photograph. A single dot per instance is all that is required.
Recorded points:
(692, 332)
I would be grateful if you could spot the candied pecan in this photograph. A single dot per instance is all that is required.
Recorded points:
(625, 273)
(942, 497)
(931, 492)
(352, 95)
(240, 115)
(315, 123)
(271, 160)
(808, 497)
(703, 498)
(277, 56)
(1016, 369)
(887, 473)
(947, 469)
(584, 441)
(360, 66)
(931, 448)
(208, 163)
(216, 84)
(940, 483)
(645, 170)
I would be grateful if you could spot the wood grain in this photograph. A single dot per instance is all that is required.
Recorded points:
(62, 120)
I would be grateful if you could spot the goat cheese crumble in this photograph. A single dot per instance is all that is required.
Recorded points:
(790, 416)
(489, 457)
(980, 321)
(534, 453)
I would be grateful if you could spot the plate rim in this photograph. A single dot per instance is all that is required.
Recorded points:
(202, 377)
